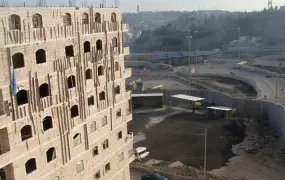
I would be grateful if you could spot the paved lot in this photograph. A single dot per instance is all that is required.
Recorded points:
(135, 175)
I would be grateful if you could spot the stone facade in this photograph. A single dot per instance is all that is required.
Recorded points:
(64, 107)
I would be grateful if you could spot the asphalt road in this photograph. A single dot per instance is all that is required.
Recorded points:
(267, 86)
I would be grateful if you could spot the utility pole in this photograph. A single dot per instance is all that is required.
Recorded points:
(238, 29)
(189, 58)
(205, 155)
(270, 4)
(196, 45)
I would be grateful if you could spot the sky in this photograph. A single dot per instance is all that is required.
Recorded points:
(166, 5)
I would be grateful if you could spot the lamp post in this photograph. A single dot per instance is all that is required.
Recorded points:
(238, 30)
(196, 45)
(189, 37)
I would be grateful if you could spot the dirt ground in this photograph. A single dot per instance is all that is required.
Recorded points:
(164, 132)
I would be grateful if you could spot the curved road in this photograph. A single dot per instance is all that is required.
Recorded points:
(267, 86)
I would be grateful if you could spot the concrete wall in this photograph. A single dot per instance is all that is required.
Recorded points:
(258, 109)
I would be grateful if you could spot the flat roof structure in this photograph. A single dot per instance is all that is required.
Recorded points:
(186, 97)
(220, 108)
(148, 95)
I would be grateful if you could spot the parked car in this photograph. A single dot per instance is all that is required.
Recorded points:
(153, 176)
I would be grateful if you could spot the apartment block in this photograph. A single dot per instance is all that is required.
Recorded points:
(64, 107)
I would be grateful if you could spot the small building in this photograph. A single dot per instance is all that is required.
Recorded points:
(221, 112)
(153, 100)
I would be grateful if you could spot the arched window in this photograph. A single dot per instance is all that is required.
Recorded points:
(90, 101)
(117, 66)
(76, 139)
(67, 19)
(102, 96)
(47, 123)
(69, 51)
(98, 18)
(93, 126)
(119, 113)
(74, 111)
(87, 46)
(85, 18)
(100, 71)
(37, 21)
(99, 45)
(31, 165)
(113, 17)
(115, 42)
(71, 82)
(26, 132)
(18, 60)
(117, 90)
(106, 144)
(22, 97)
(120, 135)
(88, 74)
(14, 22)
(79, 166)
(40, 56)
(50, 154)
(44, 90)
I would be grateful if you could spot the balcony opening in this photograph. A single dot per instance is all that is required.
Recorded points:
(117, 90)
(67, 19)
(76, 139)
(71, 82)
(31, 165)
(87, 46)
(22, 97)
(97, 176)
(79, 166)
(117, 66)
(98, 18)
(115, 42)
(74, 111)
(44, 90)
(88, 74)
(119, 113)
(85, 18)
(69, 51)
(91, 101)
(4, 141)
(18, 60)
(47, 123)
(14, 22)
(26, 132)
(95, 151)
(100, 71)
(41, 56)
(120, 135)
(113, 17)
(50, 154)
(102, 96)
(99, 45)
(107, 167)
(37, 21)
(93, 126)
(106, 144)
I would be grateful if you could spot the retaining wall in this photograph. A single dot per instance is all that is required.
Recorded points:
(257, 109)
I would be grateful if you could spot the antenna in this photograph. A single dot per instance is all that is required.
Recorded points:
(270, 4)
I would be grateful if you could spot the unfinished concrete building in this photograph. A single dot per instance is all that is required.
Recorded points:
(63, 104)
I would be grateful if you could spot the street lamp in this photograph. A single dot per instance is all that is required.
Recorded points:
(238, 30)
(196, 45)
(189, 37)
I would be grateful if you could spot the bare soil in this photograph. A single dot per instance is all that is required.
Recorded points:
(180, 137)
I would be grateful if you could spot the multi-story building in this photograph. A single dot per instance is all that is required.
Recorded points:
(63, 104)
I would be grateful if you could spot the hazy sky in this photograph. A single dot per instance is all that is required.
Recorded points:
(181, 5)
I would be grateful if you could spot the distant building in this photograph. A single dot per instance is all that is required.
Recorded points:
(138, 8)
